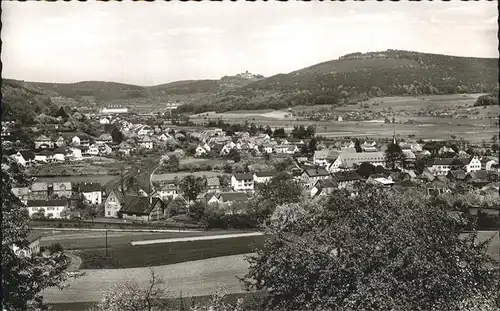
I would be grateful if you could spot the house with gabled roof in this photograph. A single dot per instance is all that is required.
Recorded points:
(92, 192)
(43, 142)
(50, 208)
(113, 203)
(59, 142)
(456, 175)
(125, 148)
(471, 164)
(310, 175)
(231, 197)
(441, 166)
(347, 178)
(104, 138)
(213, 184)
(62, 189)
(143, 208)
(242, 182)
(167, 188)
(39, 190)
(324, 187)
(263, 176)
(146, 142)
(44, 156)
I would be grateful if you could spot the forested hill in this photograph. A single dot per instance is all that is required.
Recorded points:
(349, 79)
(23, 101)
(99, 90)
(361, 75)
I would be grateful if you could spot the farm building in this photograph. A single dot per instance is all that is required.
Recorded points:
(143, 208)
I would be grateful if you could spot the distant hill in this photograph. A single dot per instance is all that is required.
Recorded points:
(112, 91)
(349, 79)
(101, 91)
(358, 76)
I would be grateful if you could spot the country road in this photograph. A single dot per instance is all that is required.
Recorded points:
(193, 278)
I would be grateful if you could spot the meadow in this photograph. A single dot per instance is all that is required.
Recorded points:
(474, 130)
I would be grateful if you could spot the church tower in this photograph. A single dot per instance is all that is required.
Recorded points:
(394, 141)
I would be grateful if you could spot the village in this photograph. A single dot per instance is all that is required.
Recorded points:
(227, 163)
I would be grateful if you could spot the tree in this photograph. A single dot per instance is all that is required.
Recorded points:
(366, 169)
(171, 163)
(279, 133)
(378, 250)
(130, 296)
(312, 146)
(23, 278)
(268, 131)
(357, 146)
(282, 189)
(191, 186)
(394, 156)
(234, 155)
(117, 135)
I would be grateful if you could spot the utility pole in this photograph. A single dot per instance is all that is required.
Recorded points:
(106, 243)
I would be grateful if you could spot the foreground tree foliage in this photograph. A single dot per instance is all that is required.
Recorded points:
(378, 250)
(131, 296)
(23, 278)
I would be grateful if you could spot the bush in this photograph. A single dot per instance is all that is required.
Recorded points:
(55, 248)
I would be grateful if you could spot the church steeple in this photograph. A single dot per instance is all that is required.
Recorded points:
(394, 141)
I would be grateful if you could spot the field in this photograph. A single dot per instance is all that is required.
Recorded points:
(194, 278)
(171, 176)
(91, 247)
(470, 129)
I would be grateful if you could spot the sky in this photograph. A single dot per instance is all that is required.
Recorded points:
(150, 43)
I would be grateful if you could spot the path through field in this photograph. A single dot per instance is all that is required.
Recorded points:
(194, 278)
(197, 238)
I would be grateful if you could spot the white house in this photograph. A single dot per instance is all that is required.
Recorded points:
(43, 156)
(74, 154)
(59, 154)
(489, 164)
(146, 143)
(32, 249)
(441, 166)
(113, 203)
(104, 121)
(167, 188)
(242, 182)
(93, 150)
(51, 208)
(200, 151)
(263, 177)
(145, 130)
(75, 141)
(92, 192)
(43, 142)
(472, 164)
(18, 157)
(267, 149)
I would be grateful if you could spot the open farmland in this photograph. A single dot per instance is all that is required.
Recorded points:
(194, 278)
(474, 130)
(91, 247)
